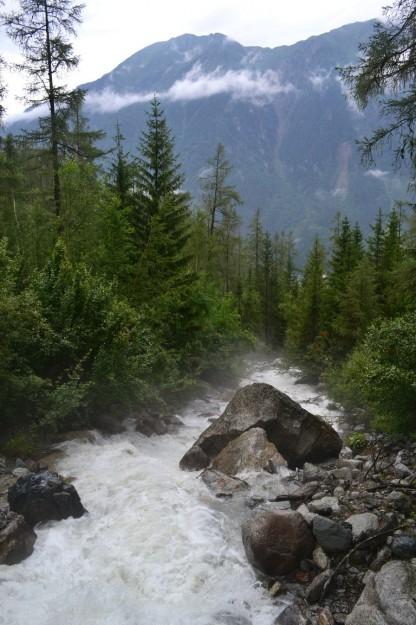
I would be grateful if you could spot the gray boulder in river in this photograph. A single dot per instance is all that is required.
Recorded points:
(297, 434)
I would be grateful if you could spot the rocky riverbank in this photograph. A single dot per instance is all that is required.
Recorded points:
(334, 541)
(330, 532)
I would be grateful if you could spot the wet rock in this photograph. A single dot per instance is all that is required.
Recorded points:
(44, 497)
(298, 435)
(324, 506)
(276, 542)
(363, 525)
(223, 486)
(333, 537)
(250, 451)
(312, 473)
(16, 538)
(317, 586)
(404, 547)
(194, 459)
(388, 597)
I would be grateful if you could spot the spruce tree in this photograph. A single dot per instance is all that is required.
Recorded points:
(121, 172)
(158, 178)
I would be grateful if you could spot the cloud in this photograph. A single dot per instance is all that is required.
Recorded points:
(376, 173)
(258, 87)
(27, 115)
(108, 101)
(320, 78)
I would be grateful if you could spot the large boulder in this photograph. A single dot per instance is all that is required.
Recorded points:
(276, 542)
(389, 597)
(298, 435)
(16, 537)
(44, 496)
(250, 451)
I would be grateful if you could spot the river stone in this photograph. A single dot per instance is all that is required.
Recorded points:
(107, 424)
(333, 537)
(298, 435)
(320, 558)
(389, 597)
(325, 505)
(16, 538)
(404, 547)
(222, 485)
(363, 525)
(44, 496)
(250, 451)
(311, 473)
(276, 542)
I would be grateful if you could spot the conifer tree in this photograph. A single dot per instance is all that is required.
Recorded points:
(42, 29)
(158, 177)
(121, 172)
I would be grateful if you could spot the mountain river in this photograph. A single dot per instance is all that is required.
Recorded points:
(156, 547)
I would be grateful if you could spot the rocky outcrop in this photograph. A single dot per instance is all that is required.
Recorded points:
(297, 434)
(44, 496)
(389, 597)
(250, 451)
(16, 538)
(276, 542)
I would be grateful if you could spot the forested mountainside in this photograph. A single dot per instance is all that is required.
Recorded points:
(282, 115)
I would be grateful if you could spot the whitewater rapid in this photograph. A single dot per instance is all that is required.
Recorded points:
(156, 547)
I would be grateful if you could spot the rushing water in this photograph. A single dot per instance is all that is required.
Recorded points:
(156, 547)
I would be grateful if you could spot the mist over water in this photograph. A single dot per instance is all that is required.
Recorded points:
(156, 547)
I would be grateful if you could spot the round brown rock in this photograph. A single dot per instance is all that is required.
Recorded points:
(276, 542)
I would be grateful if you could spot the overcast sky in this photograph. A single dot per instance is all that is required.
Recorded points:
(113, 30)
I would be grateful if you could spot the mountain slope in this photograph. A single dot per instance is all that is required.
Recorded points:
(281, 113)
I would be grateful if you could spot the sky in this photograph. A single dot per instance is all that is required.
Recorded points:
(112, 31)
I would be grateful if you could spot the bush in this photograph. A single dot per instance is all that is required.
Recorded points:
(382, 371)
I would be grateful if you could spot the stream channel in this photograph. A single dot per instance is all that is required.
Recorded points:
(157, 548)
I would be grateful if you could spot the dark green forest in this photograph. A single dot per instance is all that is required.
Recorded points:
(119, 290)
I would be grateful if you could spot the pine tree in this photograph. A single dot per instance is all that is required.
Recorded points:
(42, 28)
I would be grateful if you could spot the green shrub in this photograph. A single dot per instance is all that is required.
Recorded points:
(357, 441)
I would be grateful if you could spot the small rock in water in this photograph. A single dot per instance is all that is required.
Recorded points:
(404, 547)
(222, 485)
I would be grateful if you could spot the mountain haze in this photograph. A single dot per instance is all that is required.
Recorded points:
(288, 128)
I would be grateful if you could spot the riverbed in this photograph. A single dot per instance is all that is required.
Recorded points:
(156, 548)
